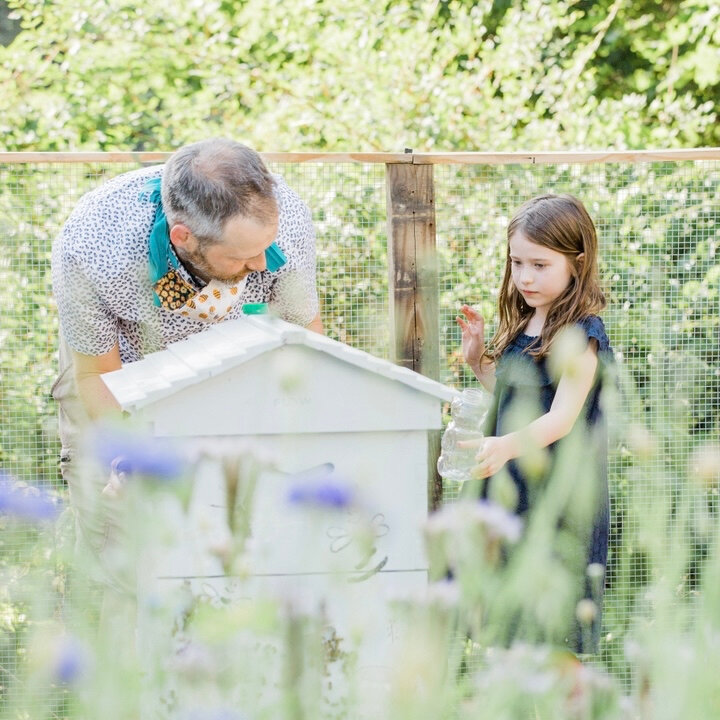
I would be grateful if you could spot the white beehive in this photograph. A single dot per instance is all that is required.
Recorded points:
(262, 386)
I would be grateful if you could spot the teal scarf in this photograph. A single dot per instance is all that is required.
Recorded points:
(162, 258)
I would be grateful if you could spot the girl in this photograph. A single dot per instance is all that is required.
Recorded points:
(550, 284)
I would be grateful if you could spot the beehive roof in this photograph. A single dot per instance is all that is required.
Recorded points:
(229, 344)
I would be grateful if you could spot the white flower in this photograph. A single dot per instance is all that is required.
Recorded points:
(445, 593)
(705, 465)
(443, 521)
(497, 521)
(522, 667)
(641, 442)
(586, 611)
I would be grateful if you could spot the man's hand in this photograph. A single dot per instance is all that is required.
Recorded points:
(316, 325)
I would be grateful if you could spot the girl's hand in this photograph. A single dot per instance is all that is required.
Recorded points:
(473, 336)
(493, 454)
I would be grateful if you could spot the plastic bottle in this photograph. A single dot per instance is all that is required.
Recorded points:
(468, 414)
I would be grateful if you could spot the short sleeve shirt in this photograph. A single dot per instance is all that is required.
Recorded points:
(101, 278)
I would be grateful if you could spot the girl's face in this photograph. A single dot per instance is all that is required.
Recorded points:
(539, 273)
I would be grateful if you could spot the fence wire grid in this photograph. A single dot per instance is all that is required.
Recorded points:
(659, 230)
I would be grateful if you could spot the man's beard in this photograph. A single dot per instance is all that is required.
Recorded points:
(196, 263)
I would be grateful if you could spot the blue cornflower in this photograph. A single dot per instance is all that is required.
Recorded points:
(134, 454)
(322, 492)
(71, 660)
(25, 501)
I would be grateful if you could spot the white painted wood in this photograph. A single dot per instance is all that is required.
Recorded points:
(360, 621)
(291, 400)
(294, 389)
(227, 345)
(391, 504)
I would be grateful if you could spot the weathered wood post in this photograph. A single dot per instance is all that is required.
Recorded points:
(413, 282)
(412, 267)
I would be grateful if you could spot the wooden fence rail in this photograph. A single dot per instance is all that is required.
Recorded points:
(410, 157)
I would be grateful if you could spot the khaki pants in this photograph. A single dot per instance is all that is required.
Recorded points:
(99, 518)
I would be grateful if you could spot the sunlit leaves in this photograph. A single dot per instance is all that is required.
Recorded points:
(360, 75)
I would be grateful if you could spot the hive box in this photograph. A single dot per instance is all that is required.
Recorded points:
(298, 404)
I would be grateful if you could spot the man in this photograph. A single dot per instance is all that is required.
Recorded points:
(157, 254)
(123, 285)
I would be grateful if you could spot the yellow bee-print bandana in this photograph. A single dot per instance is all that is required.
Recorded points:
(208, 305)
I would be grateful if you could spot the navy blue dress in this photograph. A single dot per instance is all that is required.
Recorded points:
(525, 389)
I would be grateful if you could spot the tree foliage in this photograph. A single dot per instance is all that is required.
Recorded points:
(368, 75)
(362, 75)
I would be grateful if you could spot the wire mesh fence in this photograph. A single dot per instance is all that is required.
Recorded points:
(659, 229)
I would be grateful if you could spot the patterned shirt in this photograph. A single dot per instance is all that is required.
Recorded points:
(101, 279)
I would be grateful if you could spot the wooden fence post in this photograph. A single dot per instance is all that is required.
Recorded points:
(413, 285)
(412, 268)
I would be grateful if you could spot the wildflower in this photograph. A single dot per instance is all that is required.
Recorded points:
(443, 594)
(322, 492)
(463, 532)
(524, 668)
(130, 453)
(71, 660)
(442, 521)
(496, 522)
(596, 577)
(25, 501)
(292, 373)
(634, 651)
(705, 465)
(641, 442)
(586, 611)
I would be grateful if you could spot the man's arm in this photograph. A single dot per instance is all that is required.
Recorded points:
(94, 394)
(316, 325)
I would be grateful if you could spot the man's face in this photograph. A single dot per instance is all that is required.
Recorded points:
(240, 251)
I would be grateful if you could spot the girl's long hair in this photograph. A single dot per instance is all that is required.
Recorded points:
(561, 223)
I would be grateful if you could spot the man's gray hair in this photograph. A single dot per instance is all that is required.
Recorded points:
(207, 183)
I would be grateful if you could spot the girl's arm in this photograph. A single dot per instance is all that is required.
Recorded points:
(573, 389)
(473, 346)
